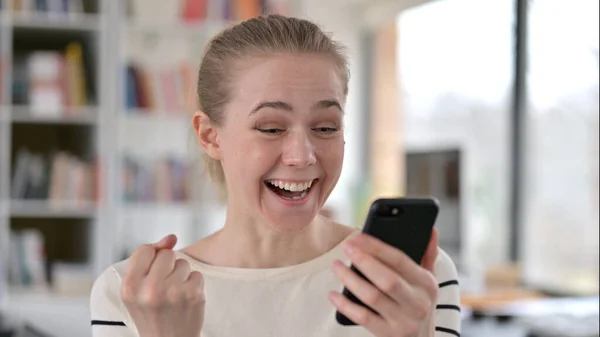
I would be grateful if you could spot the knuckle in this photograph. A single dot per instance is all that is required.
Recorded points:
(197, 278)
(174, 295)
(194, 295)
(360, 258)
(128, 290)
(390, 285)
(422, 309)
(374, 297)
(182, 264)
(143, 249)
(363, 318)
(401, 261)
(167, 253)
(431, 286)
(411, 328)
(152, 297)
(190, 295)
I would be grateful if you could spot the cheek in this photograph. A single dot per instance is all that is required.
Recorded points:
(331, 153)
(252, 156)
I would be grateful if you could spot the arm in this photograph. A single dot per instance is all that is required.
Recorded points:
(445, 321)
(109, 318)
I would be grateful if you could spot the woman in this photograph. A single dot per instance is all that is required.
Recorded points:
(272, 92)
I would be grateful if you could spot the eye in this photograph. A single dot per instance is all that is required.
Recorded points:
(326, 130)
(270, 131)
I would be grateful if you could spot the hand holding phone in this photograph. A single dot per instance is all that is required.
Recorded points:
(390, 286)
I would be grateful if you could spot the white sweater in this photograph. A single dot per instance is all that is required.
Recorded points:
(280, 302)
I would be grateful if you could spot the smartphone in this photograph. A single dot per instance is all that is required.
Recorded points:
(404, 223)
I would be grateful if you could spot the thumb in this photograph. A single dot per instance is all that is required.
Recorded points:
(431, 253)
(168, 242)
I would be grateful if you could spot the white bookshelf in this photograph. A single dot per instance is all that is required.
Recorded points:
(82, 131)
(99, 233)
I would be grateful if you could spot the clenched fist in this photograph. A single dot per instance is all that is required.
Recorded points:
(163, 296)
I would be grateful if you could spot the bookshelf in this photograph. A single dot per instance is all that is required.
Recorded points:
(52, 100)
(97, 154)
(155, 145)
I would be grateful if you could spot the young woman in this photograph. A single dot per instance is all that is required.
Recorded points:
(272, 92)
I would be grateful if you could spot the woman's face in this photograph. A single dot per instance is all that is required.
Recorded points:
(282, 142)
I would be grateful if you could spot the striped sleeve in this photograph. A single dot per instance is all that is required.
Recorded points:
(109, 317)
(447, 315)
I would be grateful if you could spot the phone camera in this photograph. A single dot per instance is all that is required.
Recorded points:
(387, 211)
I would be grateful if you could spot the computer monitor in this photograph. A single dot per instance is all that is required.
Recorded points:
(437, 172)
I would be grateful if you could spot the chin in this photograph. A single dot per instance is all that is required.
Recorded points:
(291, 211)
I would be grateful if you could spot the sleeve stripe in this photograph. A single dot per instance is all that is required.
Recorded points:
(448, 331)
(448, 283)
(448, 307)
(111, 323)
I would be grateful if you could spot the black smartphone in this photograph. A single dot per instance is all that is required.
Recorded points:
(404, 223)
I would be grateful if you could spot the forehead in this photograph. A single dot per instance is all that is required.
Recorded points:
(287, 77)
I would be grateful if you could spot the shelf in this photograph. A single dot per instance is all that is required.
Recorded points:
(48, 209)
(39, 21)
(136, 114)
(149, 206)
(84, 116)
(57, 315)
(23, 294)
(4, 115)
(4, 206)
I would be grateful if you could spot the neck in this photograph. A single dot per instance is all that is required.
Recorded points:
(257, 245)
(251, 244)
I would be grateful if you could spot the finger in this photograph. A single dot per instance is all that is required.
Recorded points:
(163, 264)
(194, 286)
(431, 253)
(181, 272)
(359, 314)
(140, 261)
(394, 258)
(365, 291)
(168, 242)
(196, 279)
(383, 277)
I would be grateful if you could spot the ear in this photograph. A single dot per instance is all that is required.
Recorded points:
(207, 134)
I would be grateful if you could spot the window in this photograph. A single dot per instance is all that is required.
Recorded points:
(455, 75)
(560, 245)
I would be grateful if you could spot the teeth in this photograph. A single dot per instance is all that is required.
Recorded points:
(293, 187)
(302, 195)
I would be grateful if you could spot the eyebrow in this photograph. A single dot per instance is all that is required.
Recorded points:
(279, 105)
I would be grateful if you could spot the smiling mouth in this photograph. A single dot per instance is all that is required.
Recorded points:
(290, 190)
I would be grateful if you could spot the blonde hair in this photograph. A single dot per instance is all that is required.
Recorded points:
(260, 36)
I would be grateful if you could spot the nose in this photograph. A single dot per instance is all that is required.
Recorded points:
(298, 150)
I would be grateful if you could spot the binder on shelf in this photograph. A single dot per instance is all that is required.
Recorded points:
(160, 89)
(51, 83)
(58, 177)
(51, 8)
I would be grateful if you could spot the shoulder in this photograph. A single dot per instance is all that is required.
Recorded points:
(445, 269)
(106, 308)
(448, 308)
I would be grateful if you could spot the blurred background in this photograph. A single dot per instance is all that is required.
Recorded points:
(489, 105)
